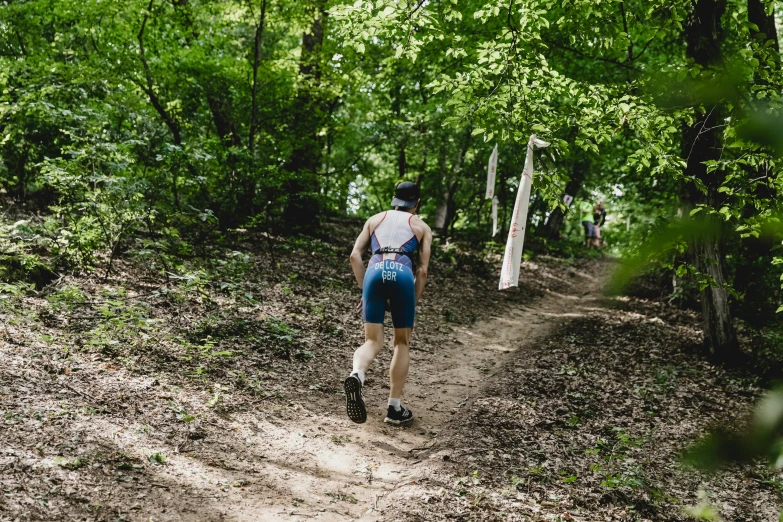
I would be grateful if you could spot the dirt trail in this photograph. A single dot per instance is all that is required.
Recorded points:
(89, 436)
(324, 467)
(137, 434)
(151, 424)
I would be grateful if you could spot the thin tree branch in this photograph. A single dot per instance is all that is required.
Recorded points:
(415, 10)
(149, 89)
(21, 42)
(257, 49)
(589, 57)
(644, 48)
(701, 131)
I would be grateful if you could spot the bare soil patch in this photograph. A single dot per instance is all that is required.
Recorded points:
(589, 424)
(215, 393)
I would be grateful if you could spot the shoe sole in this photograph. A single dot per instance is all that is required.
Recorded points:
(354, 403)
(387, 420)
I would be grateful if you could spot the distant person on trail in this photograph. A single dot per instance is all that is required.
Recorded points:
(593, 228)
(389, 277)
(599, 218)
(585, 211)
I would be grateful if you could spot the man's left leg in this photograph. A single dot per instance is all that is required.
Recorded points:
(398, 373)
(362, 358)
(373, 310)
(366, 353)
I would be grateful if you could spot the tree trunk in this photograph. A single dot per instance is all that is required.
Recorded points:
(219, 101)
(441, 210)
(702, 142)
(446, 209)
(424, 151)
(765, 23)
(19, 168)
(396, 107)
(718, 326)
(764, 31)
(148, 87)
(574, 185)
(303, 207)
(554, 223)
(401, 161)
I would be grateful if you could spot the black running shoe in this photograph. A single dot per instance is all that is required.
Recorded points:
(354, 399)
(398, 417)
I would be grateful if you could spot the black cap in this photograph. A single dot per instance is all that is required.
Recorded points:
(406, 195)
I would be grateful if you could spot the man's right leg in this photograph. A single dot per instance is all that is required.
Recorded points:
(403, 309)
(396, 413)
(400, 362)
(362, 358)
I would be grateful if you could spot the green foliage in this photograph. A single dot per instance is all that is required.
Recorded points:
(761, 438)
(98, 206)
(157, 457)
(147, 129)
(280, 331)
(575, 73)
(71, 463)
(9, 292)
(703, 511)
(122, 323)
(181, 412)
(20, 259)
(68, 298)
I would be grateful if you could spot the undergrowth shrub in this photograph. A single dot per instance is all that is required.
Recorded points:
(20, 259)
(97, 210)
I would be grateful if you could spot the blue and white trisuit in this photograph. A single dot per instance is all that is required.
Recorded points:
(389, 275)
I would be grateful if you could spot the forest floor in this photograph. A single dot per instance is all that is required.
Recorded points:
(217, 395)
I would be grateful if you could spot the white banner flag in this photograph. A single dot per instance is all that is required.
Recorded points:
(509, 274)
(491, 170)
(494, 215)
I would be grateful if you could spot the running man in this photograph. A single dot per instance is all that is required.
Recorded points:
(389, 277)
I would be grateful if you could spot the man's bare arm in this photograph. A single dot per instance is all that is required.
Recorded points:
(359, 247)
(424, 262)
